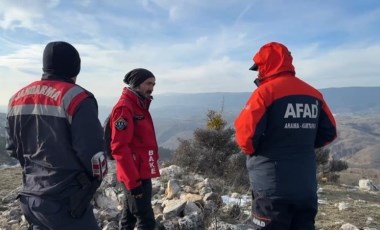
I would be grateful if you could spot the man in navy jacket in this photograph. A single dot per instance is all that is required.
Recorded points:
(54, 131)
(283, 122)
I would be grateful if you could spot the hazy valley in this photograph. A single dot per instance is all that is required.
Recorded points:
(357, 111)
(178, 115)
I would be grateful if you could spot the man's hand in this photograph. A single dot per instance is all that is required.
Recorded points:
(137, 192)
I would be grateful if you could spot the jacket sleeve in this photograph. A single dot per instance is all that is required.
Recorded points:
(122, 129)
(10, 147)
(326, 132)
(87, 132)
(250, 124)
(9, 143)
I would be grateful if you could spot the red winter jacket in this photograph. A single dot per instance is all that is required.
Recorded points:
(133, 140)
(283, 121)
(282, 103)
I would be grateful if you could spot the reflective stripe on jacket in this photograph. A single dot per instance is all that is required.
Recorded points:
(54, 131)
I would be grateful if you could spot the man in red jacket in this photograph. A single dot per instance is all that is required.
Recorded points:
(283, 121)
(134, 147)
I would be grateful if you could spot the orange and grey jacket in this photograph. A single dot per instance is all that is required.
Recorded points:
(283, 121)
(53, 130)
(133, 140)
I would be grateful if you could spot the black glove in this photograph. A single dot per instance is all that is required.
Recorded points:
(137, 192)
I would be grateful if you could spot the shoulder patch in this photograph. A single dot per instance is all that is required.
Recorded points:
(120, 123)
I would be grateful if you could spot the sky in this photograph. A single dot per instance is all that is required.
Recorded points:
(190, 46)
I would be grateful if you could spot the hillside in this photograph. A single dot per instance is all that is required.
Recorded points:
(177, 114)
(338, 204)
(358, 141)
(353, 100)
(356, 110)
(365, 157)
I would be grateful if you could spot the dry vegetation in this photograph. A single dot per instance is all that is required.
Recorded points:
(358, 141)
(10, 179)
(362, 206)
(351, 176)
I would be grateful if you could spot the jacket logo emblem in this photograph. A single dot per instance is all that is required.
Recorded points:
(299, 110)
(120, 124)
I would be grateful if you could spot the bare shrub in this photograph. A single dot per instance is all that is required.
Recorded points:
(328, 167)
(213, 153)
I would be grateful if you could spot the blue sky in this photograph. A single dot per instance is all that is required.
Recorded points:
(191, 46)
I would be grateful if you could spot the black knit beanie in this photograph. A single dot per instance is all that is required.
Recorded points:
(137, 76)
(61, 59)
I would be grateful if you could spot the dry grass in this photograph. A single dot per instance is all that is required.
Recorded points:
(361, 205)
(351, 176)
(11, 178)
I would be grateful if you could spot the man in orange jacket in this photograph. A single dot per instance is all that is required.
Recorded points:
(134, 147)
(283, 122)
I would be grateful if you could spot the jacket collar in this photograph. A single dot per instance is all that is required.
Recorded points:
(136, 97)
(46, 76)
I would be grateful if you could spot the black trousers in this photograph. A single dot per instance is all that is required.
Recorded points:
(280, 214)
(138, 212)
(43, 214)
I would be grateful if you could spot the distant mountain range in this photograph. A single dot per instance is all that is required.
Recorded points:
(357, 111)
(179, 114)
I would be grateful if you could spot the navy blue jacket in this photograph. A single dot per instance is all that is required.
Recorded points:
(53, 130)
(283, 122)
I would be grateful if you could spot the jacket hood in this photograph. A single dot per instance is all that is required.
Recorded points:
(273, 58)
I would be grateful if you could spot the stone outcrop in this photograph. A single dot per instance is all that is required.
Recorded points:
(184, 201)
(367, 185)
(180, 201)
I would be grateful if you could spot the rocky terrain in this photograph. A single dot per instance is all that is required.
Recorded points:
(188, 201)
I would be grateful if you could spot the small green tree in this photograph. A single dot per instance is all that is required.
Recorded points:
(213, 152)
(215, 121)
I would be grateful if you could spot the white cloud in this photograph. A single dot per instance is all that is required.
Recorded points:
(192, 46)
(355, 65)
(23, 13)
(26, 57)
(85, 3)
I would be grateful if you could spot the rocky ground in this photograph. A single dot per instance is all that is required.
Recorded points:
(341, 206)
(346, 204)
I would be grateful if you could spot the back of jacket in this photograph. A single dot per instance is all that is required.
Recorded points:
(283, 122)
(54, 131)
